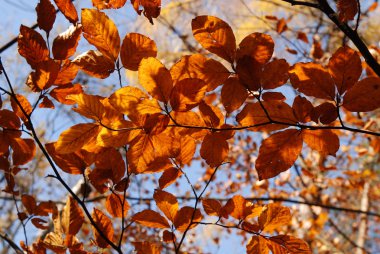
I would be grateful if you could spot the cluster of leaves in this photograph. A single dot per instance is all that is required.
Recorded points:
(162, 124)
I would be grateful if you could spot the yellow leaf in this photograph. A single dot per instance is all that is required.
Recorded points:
(150, 218)
(109, 137)
(134, 48)
(167, 203)
(72, 217)
(273, 217)
(215, 35)
(65, 44)
(155, 78)
(278, 153)
(76, 137)
(212, 72)
(94, 63)
(105, 225)
(100, 31)
(89, 106)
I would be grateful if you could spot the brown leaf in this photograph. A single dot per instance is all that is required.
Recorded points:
(187, 150)
(105, 225)
(60, 93)
(68, 10)
(45, 15)
(325, 113)
(258, 244)
(168, 177)
(134, 48)
(44, 76)
(23, 150)
(40, 223)
(325, 142)
(100, 31)
(212, 72)
(147, 247)
(117, 206)
(278, 153)
(274, 74)
(288, 244)
(233, 94)
(187, 94)
(46, 103)
(94, 63)
(32, 46)
(273, 96)
(312, 80)
(273, 217)
(212, 207)
(215, 35)
(155, 78)
(212, 116)
(214, 149)
(65, 44)
(168, 237)
(167, 203)
(258, 46)
(152, 8)
(150, 218)
(25, 107)
(29, 203)
(72, 217)
(302, 109)
(71, 163)
(364, 96)
(347, 9)
(345, 67)
(185, 216)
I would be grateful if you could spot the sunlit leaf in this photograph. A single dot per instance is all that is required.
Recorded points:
(72, 217)
(108, 4)
(258, 46)
(274, 216)
(185, 216)
(105, 225)
(364, 96)
(323, 141)
(95, 64)
(233, 94)
(150, 218)
(68, 9)
(117, 206)
(187, 94)
(167, 203)
(65, 44)
(258, 244)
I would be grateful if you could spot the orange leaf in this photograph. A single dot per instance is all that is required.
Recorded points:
(168, 237)
(239, 208)
(44, 76)
(185, 216)
(258, 244)
(325, 113)
(30, 203)
(108, 4)
(117, 206)
(233, 94)
(72, 217)
(167, 203)
(302, 109)
(155, 78)
(60, 93)
(214, 149)
(150, 218)
(127, 131)
(364, 96)
(67, 73)
(275, 74)
(278, 153)
(76, 137)
(312, 80)
(46, 103)
(212, 72)
(215, 35)
(68, 10)
(253, 114)
(32, 46)
(133, 102)
(249, 72)
(288, 244)
(134, 48)
(347, 9)
(212, 207)
(23, 150)
(345, 67)
(105, 225)
(273, 96)
(71, 163)
(168, 177)
(100, 31)
(152, 8)
(258, 46)
(212, 116)
(187, 94)
(89, 106)
(54, 242)
(325, 142)
(45, 15)
(187, 150)
(65, 44)
(273, 217)
(40, 223)
(94, 63)
(156, 123)
(147, 247)
(25, 105)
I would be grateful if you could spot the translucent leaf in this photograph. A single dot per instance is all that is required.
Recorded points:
(150, 218)
(273, 217)
(94, 63)
(72, 217)
(364, 96)
(117, 206)
(167, 203)
(325, 142)
(68, 9)
(65, 44)
(105, 225)
(184, 218)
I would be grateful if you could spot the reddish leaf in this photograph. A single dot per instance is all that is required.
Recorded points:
(117, 206)
(185, 216)
(167, 203)
(45, 15)
(258, 46)
(72, 217)
(274, 216)
(168, 177)
(364, 96)
(105, 225)
(347, 9)
(150, 218)
(233, 94)
(324, 141)
(68, 9)
(65, 44)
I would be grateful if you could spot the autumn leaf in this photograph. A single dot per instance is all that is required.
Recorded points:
(325, 142)
(258, 46)
(364, 96)
(45, 15)
(151, 8)
(288, 244)
(169, 177)
(278, 153)
(65, 44)
(66, 74)
(241, 209)
(214, 149)
(186, 150)
(108, 4)
(32, 46)
(68, 9)
(117, 206)
(147, 247)
(185, 216)
(212, 72)
(150, 218)
(274, 74)
(23, 150)
(233, 94)
(155, 78)
(100, 31)
(187, 94)
(347, 9)
(302, 109)
(212, 207)
(105, 225)
(134, 48)
(94, 63)
(167, 203)
(71, 163)
(72, 217)
(89, 106)
(257, 244)
(215, 35)
(273, 217)
(60, 93)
